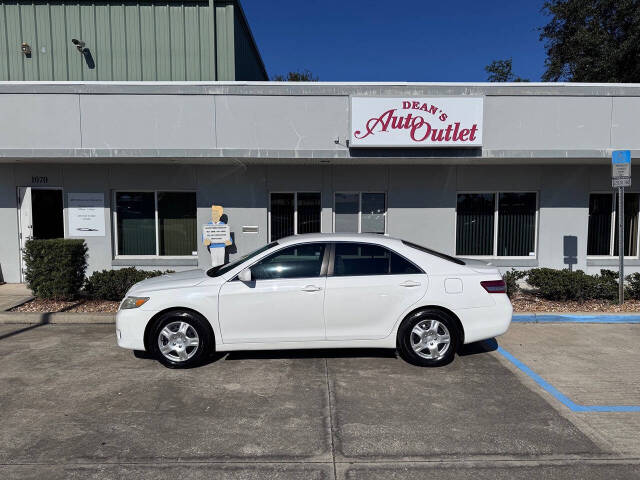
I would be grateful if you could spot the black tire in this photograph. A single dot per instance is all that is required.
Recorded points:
(406, 338)
(198, 327)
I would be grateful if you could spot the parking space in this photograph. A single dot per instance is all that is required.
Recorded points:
(76, 406)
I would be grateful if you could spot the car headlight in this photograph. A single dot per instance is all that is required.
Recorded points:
(133, 302)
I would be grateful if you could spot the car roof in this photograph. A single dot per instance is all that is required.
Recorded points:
(339, 237)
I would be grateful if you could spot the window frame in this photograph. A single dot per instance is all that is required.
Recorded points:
(496, 201)
(614, 226)
(295, 209)
(360, 193)
(114, 220)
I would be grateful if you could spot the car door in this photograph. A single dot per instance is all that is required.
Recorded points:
(282, 303)
(367, 290)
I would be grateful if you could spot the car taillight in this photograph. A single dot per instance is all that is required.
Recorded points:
(494, 286)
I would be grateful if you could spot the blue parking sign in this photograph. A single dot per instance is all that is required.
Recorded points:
(621, 156)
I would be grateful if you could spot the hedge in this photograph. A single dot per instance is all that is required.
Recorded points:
(511, 281)
(55, 268)
(113, 284)
(576, 285)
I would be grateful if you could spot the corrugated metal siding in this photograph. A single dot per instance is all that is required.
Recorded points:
(248, 64)
(128, 40)
(224, 40)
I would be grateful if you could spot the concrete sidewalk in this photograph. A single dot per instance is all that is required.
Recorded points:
(13, 294)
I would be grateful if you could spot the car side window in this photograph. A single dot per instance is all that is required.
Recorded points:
(299, 261)
(363, 259)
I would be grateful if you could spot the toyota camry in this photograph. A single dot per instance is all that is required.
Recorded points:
(319, 291)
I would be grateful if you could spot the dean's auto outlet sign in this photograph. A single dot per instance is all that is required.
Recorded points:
(416, 122)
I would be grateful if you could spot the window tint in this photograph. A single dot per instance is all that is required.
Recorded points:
(222, 269)
(177, 223)
(600, 217)
(443, 256)
(363, 259)
(136, 222)
(516, 224)
(475, 223)
(299, 261)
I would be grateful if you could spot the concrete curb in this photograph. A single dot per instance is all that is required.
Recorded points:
(56, 318)
(576, 318)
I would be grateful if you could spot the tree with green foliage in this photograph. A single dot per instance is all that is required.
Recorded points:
(592, 40)
(297, 76)
(502, 71)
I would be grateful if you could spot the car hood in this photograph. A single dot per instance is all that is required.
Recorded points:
(187, 278)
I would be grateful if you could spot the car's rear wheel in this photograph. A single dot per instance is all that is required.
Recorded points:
(428, 338)
(180, 339)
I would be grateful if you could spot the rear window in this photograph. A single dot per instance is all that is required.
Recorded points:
(443, 256)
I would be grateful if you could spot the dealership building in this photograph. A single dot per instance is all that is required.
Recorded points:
(517, 174)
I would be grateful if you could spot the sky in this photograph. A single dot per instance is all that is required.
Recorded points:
(401, 40)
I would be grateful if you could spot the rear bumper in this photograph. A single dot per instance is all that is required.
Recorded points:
(130, 327)
(486, 322)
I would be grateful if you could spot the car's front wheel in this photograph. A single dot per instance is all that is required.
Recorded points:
(180, 339)
(428, 338)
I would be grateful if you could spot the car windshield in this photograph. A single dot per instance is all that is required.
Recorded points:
(222, 269)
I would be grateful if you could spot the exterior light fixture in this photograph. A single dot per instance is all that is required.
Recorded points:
(79, 44)
(26, 49)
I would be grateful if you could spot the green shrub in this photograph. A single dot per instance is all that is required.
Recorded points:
(633, 286)
(577, 285)
(113, 284)
(55, 268)
(606, 287)
(511, 280)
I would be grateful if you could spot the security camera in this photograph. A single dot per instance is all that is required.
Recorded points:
(78, 43)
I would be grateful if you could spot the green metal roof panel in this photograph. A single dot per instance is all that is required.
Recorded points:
(127, 40)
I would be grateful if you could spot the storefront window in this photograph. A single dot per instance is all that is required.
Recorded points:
(603, 223)
(177, 222)
(600, 217)
(346, 212)
(140, 232)
(294, 213)
(515, 229)
(475, 223)
(373, 211)
(360, 212)
(516, 224)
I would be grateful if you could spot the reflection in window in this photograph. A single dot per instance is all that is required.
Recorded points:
(299, 261)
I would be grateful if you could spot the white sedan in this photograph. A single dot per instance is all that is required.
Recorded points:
(319, 291)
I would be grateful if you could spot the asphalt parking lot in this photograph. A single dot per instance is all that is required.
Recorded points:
(76, 406)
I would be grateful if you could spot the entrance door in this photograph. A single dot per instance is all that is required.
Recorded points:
(41, 215)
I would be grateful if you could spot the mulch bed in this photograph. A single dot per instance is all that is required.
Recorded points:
(523, 302)
(528, 302)
(75, 306)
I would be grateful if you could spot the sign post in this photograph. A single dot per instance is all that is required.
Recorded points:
(620, 178)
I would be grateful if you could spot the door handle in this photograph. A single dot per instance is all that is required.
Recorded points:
(410, 283)
(311, 288)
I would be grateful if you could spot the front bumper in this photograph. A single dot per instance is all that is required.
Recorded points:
(130, 326)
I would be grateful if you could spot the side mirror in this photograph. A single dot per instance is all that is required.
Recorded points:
(245, 275)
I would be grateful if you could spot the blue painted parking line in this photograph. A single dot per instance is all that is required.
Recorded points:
(573, 318)
(566, 401)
